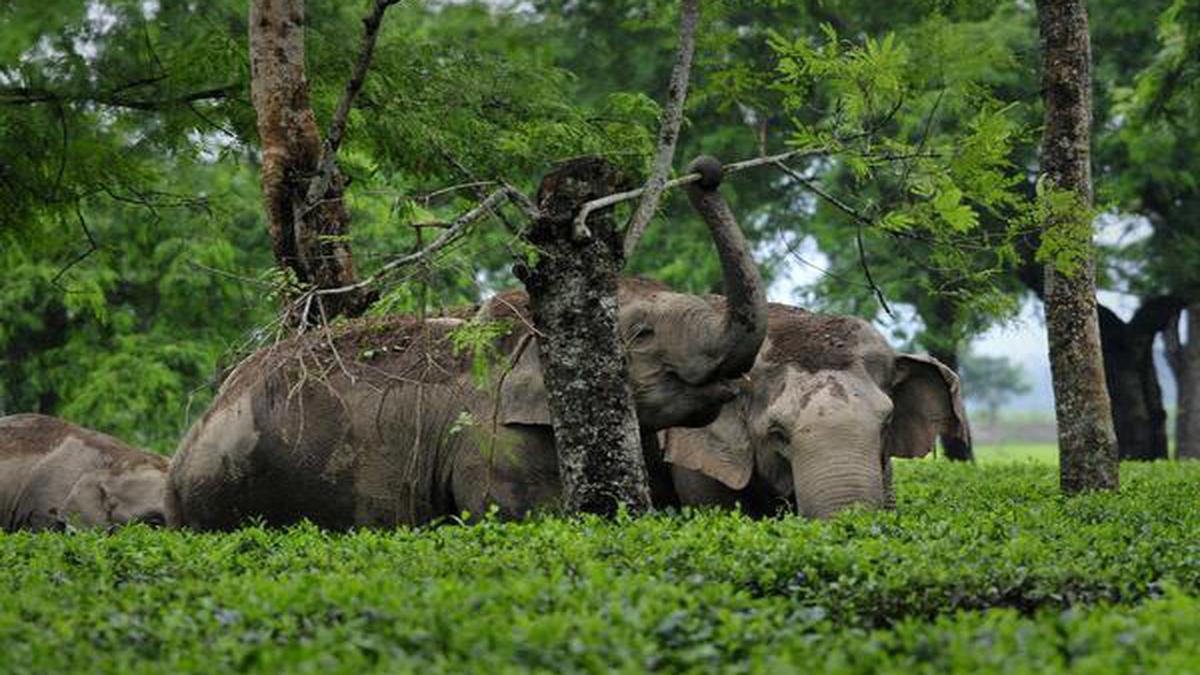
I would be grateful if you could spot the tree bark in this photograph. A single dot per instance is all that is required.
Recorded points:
(1087, 441)
(1184, 359)
(573, 297)
(310, 239)
(1139, 417)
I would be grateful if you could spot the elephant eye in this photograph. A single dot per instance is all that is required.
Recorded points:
(640, 334)
(779, 435)
(154, 519)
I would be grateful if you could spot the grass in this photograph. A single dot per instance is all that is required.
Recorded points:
(1046, 453)
(981, 569)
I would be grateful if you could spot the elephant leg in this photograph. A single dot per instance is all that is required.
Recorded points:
(696, 489)
(515, 473)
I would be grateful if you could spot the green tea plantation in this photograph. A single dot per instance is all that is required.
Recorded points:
(981, 569)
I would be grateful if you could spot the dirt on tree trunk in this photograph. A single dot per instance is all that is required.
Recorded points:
(573, 297)
(1086, 439)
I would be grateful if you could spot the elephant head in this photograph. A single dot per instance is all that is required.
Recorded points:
(109, 497)
(684, 353)
(830, 404)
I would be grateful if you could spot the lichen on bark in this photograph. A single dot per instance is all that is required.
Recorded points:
(572, 288)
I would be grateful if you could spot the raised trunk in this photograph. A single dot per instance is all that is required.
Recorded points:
(309, 239)
(745, 322)
(573, 297)
(1087, 442)
(1184, 358)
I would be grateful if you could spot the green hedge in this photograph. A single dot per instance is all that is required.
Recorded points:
(982, 568)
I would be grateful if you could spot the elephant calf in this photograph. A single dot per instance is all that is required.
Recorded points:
(53, 472)
(829, 404)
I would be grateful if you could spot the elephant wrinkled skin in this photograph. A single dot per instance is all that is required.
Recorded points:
(380, 422)
(54, 473)
(830, 403)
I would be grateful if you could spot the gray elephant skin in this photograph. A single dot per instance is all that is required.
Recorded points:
(829, 404)
(54, 473)
(380, 423)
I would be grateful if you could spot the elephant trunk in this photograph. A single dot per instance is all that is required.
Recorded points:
(745, 321)
(834, 471)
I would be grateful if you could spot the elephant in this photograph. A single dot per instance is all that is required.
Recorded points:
(829, 404)
(383, 422)
(54, 473)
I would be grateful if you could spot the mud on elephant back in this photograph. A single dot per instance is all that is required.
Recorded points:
(829, 405)
(54, 474)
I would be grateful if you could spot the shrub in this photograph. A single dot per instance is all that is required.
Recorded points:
(979, 569)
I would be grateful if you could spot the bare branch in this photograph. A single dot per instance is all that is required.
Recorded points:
(92, 248)
(618, 197)
(859, 221)
(455, 229)
(337, 127)
(371, 25)
(668, 135)
(27, 96)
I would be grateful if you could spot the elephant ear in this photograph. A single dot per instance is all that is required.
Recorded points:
(720, 450)
(927, 401)
(522, 391)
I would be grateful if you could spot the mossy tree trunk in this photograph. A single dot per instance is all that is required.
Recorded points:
(573, 295)
(1087, 441)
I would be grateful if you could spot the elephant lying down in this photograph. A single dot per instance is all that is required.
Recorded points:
(830, 403)
(53, 472)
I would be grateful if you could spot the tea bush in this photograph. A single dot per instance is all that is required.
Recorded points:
(980, 569)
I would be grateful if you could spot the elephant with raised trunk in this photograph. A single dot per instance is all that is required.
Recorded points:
(54, 473)
(379, 423)
(829, 405)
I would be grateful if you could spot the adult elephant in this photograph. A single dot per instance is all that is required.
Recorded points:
(830, 404)
(381, 422)
(54, 473)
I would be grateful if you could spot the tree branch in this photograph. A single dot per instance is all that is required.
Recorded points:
(618, 197)
(92, 248)
(859, 221)
(371, 25)
(30, 95)
(319, 185)
(668, 135)
(452, 231)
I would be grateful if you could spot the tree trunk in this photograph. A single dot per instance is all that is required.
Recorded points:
(1184, 359)
(955, 449)
(1087, 441)
(309, 239)
(573, 296)
(1138, 413)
